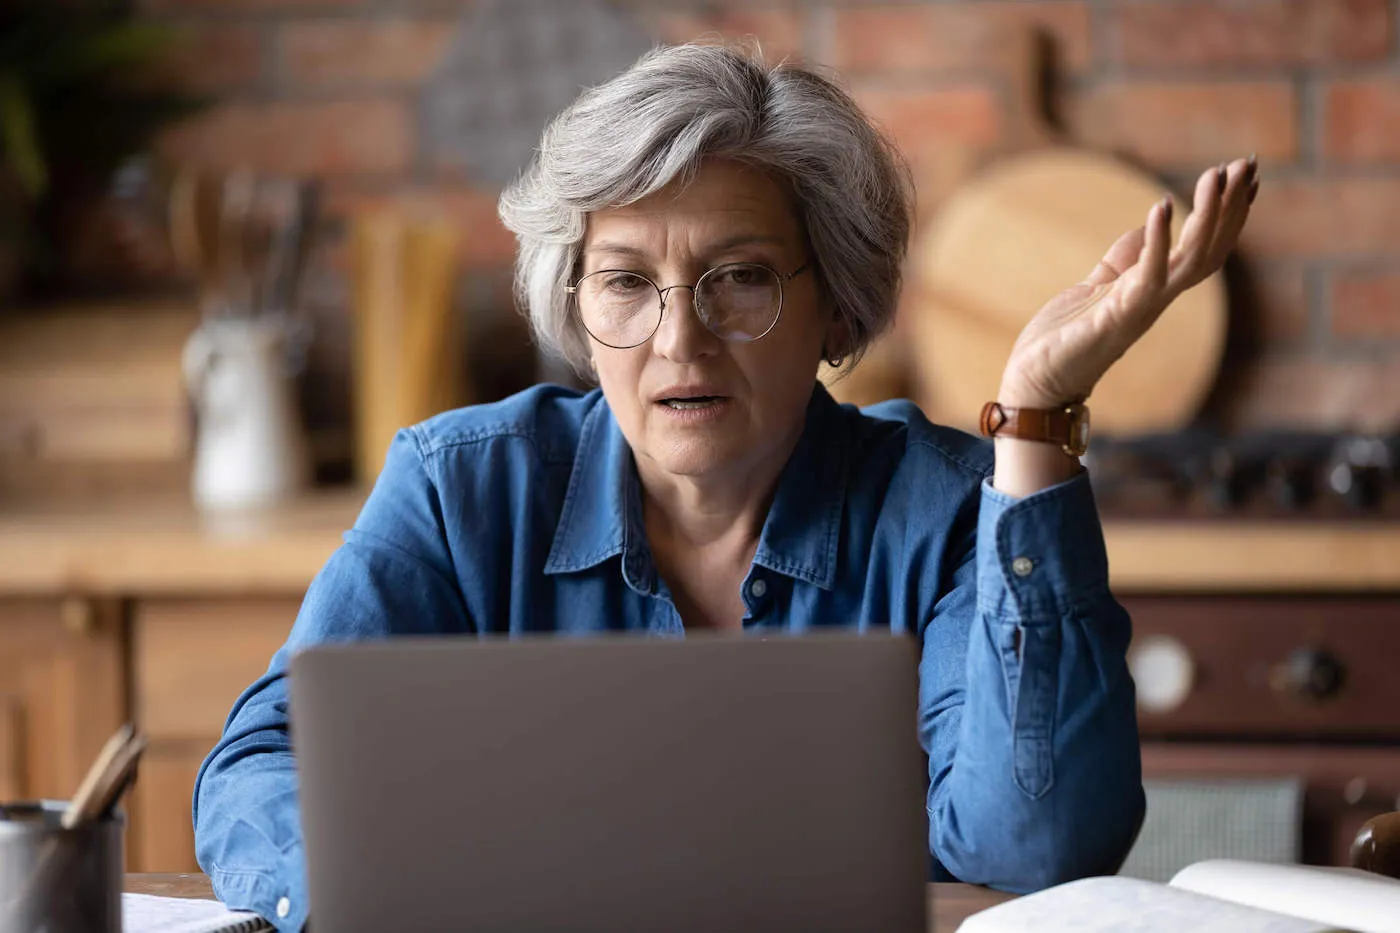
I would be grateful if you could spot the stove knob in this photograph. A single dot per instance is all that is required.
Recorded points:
(1310, 674)
(1359, 485)
(1290, 485)
(1163, 671)
(1224, 489)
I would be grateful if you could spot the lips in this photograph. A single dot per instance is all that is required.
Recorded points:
(695, 394)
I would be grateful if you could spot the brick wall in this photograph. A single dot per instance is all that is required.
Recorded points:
(1313, 86)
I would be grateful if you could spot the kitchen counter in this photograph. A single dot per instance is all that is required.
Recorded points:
(161, 545)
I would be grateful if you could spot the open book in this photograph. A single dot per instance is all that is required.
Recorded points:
(1214, 896)
(145, 913)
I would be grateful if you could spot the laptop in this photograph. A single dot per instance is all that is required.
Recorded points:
(612, 783)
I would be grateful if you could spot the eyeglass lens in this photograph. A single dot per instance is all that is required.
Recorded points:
(738, 302)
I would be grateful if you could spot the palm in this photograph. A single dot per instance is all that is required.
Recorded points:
(1073, 340)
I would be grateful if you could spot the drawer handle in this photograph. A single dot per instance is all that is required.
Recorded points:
(1309, 674)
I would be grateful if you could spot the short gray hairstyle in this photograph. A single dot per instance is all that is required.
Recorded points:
(655, 122)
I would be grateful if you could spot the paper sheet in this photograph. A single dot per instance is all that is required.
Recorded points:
(1129, 905)
(144, 913)
(1347, 897)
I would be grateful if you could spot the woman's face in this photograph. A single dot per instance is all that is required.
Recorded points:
(689, 402)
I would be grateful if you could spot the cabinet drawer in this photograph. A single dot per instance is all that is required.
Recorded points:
(1251, 666)
(192, 658)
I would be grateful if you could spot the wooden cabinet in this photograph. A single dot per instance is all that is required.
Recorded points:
(62, 691)
(190, 659)
(1303, 687)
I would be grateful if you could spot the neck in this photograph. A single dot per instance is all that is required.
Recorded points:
(707, 512)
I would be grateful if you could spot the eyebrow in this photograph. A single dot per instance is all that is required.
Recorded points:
(733, 242)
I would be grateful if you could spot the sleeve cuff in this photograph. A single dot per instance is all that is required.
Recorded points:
(1040, 556)
(278, 897)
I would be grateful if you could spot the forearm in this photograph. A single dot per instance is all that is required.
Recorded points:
(1035, 768)
(246, 820)
(1046, 785)
(1025, 467)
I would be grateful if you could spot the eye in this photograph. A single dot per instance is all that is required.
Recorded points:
(742, 275)
(623, 282)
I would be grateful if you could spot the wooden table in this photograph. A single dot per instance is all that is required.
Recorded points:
(950, 903)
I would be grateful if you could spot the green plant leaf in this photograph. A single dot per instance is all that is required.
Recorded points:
(21, 145)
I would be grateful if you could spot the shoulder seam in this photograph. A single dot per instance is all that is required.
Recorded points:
(441, 445)
(948, 455)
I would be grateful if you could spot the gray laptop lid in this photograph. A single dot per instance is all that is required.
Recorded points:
(612, 784)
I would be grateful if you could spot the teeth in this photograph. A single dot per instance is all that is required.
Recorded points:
(689, 404)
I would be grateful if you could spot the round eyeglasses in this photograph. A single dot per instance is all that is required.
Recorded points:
(739, 301)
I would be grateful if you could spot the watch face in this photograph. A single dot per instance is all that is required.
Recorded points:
(1078, 431)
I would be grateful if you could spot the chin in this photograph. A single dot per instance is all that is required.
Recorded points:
(692, 457)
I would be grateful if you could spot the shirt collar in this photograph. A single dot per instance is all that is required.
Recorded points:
(601, 516)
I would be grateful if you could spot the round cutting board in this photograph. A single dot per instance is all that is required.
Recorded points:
(1012, 237)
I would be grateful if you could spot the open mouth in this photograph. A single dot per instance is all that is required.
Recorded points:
(690, 403)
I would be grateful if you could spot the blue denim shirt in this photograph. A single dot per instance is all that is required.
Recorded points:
(525, 515)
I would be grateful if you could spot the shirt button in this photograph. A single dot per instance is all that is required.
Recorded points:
(758, 588)
(284, 907)
(1022, 566)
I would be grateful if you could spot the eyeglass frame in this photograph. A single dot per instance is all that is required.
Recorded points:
(662, 294)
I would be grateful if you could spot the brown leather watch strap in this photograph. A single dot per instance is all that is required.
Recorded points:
(1028, 424)
(1048, 425)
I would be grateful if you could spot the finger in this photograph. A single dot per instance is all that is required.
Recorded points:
(1188, 261)
(1119, 258)
(1234, 211)
(1158, 246)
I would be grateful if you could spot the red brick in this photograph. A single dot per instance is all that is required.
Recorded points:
(1278, 311)
(779, 32)
(927, 122)
(365, 137)
(1311, 392)
(1189, 125)
(1324, 217)
(218, 57)
(362, 52)
(245, 6)
(1366, 303)
(1362, 122)
(1248, 32)
(954, 37)
(483, 241)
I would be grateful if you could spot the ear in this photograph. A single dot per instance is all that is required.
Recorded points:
(838, 339)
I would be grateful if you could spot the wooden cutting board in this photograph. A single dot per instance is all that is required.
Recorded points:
(1025, 227)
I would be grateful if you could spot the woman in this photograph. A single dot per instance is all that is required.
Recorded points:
(700, 233)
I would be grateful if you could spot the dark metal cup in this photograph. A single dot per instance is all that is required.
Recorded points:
(56, 880)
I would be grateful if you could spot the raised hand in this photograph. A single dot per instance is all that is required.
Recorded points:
(1072, 341)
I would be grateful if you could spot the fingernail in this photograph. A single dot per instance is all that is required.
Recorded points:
(1167, 208)
(1253, 190)
(1252, 166)
(1222, 177)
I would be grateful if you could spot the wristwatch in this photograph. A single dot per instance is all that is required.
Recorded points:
(1067, 425)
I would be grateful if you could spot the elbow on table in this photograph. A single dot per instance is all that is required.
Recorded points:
(1050, 845)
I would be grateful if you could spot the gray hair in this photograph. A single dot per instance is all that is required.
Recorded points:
(655, 122)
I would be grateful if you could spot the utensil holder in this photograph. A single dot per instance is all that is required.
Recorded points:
(56, 880)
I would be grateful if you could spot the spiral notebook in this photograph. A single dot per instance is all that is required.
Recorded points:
(145, 913)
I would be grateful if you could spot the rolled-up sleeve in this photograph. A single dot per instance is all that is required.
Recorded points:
(1035, 769)
(392, 575)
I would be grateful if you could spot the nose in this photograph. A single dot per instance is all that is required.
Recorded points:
(682, 338)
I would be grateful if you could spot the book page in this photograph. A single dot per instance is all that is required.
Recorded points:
(1129, 905)
(1347, 897)
(145, 913)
